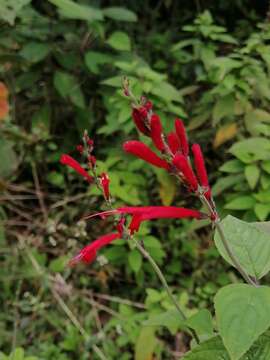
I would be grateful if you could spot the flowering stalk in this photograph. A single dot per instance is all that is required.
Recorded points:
(72, 163)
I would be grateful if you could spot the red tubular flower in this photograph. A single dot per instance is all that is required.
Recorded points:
(69, 161)
(142, 151)
(89, 252)
(156, 132)
(105, 182)
(141, 214)
(182, 164)
(139, 118)
(200, 168)
(181, 133)
(173, 142)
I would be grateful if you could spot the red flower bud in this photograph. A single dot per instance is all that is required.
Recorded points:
(140, 121)
(148, 105)
(156, 132)
(89, 252)
(181, 133)
(173, 142)
(200, 168)
(105, 182)
(92, 160)
(182, 164)
(79, 148)
(142, 151)
(69, 161)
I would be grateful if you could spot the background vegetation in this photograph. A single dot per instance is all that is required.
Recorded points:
(204, 61)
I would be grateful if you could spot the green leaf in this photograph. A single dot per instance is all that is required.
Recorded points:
(35, 51)
(252, 173)
(73, 10)
(94, 60)
(243, 314)
(262, 211)
(145, 344)
(223, 107)
(68, 87)
(135, 260)
(226, 182)
(252, 149)
(201, 322)
(120, 14)
(232, 166)
(212, 349)
(169, 319)
(59, 264)
(10, 9)
(241, 203)
(119, 41)
(250, 244)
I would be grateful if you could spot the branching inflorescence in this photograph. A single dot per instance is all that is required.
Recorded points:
(174, 157)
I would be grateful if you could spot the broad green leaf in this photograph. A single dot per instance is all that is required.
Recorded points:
(252, 173)
(9, 161)
(35, 51)
(248, 242)
(145, 345)
(241, 203)
(243, 314)
(212, 349)
(94, 60)
(10, 9)
(226, 182)
(262, 211)
(120, 14)
(119, 41)
(167, 92)
(201, 322)
(135, 260)
(73, 10)
(232, 166)
(169, 319)
(252, 149)
(223, 107)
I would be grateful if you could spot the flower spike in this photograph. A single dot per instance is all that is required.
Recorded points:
(89, 252)
(142, 151)
(156, 132)
(181, 133)
(182, 164)
(69, 161)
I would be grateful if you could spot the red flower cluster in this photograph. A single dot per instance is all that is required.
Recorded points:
(174, 150)
(174, 158)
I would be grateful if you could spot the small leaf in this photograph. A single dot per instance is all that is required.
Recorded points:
(242, 309)
(223, 107)
(212, 349)
(119, 41)
(170, 319)
(232, 166)
(252, 173)
(9, 161)
(241, 203)
(120, 14)
(35, 51)
(73, 10)
(225, 133)
(135, 260)
(262, 211)
(249, 243)
(201, 322)
(146, 344)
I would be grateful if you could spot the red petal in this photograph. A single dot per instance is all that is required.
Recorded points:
(142, 151)
(140, 121)
(174, 142)
(156, 132)
(200, 167)
(69, 161)
(181, 133)
(182, 164)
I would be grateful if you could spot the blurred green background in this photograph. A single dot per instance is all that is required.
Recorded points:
(63, 62)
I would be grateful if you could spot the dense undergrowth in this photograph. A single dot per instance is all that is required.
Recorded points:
(205, 62)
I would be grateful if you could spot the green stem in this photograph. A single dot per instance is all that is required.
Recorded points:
(159, 273)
